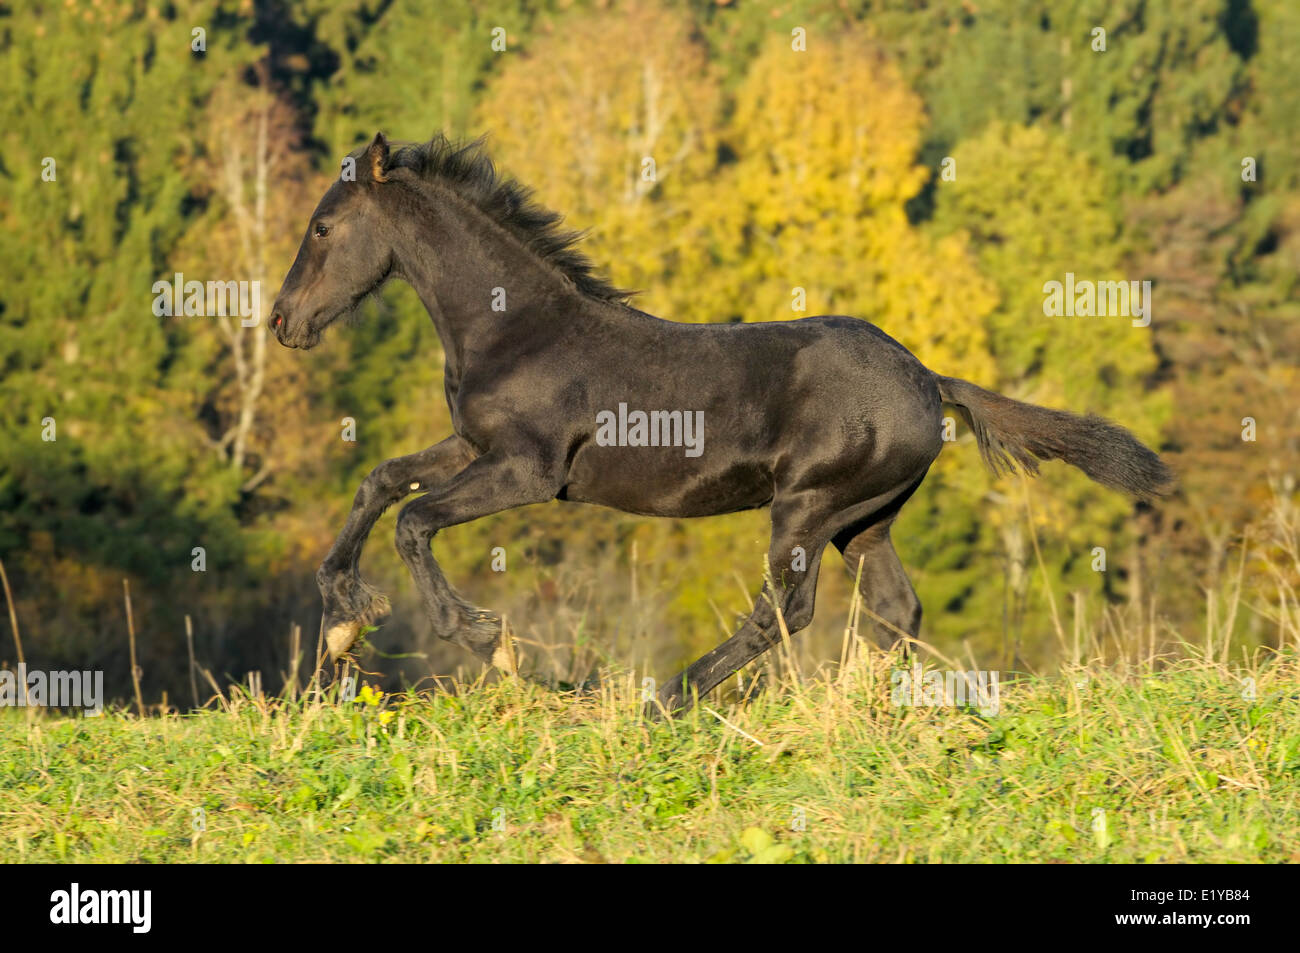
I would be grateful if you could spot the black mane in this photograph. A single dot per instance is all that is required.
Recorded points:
(469, 172)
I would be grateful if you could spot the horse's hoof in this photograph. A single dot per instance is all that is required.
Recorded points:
(673, 701)
(664, 708)
(341, 637)
(484, 634)
(504, 656)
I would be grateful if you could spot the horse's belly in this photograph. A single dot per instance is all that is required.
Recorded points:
(662, 481)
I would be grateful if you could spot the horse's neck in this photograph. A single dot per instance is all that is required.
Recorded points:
(477, 282)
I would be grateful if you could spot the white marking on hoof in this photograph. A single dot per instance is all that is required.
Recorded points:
(340, 638)
(415, 486)
(504, 656)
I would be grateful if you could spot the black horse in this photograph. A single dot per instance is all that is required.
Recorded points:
(559, 389)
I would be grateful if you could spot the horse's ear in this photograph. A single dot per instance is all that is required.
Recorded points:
(375, 158)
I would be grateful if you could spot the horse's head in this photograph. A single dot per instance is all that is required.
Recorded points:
(345, 255)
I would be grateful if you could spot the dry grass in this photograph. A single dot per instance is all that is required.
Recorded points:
(1142, 747)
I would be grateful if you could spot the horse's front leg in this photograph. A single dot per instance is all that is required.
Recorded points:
(494, 482)
(350, 604)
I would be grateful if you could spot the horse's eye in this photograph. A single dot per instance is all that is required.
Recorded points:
(322, 230)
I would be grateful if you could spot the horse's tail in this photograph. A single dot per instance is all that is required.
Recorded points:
(1015, 435)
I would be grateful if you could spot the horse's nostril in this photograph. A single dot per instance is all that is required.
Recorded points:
(277, 319)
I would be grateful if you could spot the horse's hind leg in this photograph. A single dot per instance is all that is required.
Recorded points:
(799, 535)
(809, 524)
(884, 585)
(350, 604)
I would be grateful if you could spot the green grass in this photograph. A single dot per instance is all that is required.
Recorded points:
(1181, 766)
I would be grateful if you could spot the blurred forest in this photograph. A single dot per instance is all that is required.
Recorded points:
(798, 144)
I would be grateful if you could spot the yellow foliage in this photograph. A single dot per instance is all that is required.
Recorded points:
(826, 161)
(610, 120)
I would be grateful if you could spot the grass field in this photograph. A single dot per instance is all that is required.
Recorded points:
(1178, 761)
